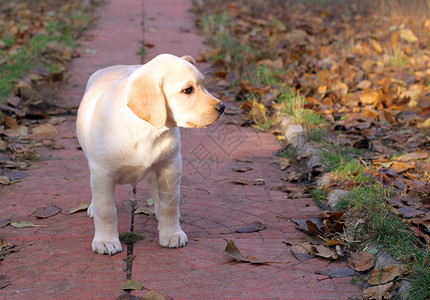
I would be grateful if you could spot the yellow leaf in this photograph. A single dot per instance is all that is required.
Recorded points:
(46, 130)
(426, 123)
(322, 89)
(377, 46)
(370, 98)
(284, 162)
(408, 36)
(80, 207)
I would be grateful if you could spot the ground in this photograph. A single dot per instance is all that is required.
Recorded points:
(56, 261)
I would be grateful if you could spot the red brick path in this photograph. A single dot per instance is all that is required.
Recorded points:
(56, 261)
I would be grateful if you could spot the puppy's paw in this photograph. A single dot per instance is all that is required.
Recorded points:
(172, 239)
(104, 246)
(90, 210)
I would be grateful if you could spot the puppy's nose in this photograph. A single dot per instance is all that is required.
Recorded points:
(220, 107)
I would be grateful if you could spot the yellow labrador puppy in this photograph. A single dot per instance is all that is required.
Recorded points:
(127, 125)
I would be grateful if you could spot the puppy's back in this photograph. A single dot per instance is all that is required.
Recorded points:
(97, 84)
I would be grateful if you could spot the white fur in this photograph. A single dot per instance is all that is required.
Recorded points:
(123, 148)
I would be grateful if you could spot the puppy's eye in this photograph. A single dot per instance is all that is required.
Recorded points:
(188, 90)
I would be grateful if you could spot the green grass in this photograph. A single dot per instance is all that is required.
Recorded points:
(315, 134)
(366, 203)
(420, 287)
(31, 55)
(130, 237)
(262, 75)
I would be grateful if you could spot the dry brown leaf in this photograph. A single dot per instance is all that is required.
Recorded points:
(381, 276)
(303, 251)
(361, 261)
(10, 122)
(232, 250)
(146, 210)
(43, 131)
(46, 211)
(379, 292)
(400, 167)
(241, 168)
(284, 162)
(153, 295)
(370, 98)
(338, 272)
(325, 252)
(4, 180)
(79, 208)
(413, 156)
(408, 36)
(252, 227)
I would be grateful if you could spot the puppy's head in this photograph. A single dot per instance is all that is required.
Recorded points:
(168, 91)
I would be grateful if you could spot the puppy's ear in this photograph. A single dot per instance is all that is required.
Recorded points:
(189, 59)
(146, 100)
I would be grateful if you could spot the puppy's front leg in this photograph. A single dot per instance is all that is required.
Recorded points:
(168, 184)
(106, 238)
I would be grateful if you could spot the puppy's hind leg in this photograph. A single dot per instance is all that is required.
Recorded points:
(151, 179)
(106, 238)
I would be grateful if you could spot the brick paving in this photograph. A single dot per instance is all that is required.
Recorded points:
(56, 261)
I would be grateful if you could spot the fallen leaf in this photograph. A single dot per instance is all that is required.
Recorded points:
(313, 229)
(79, 208)
(241, 168)
(426, 202)
(153, 295)
(131, 285)
(370, 98)
(338, 272)
(407, 212)
(3, 145)
(284, 162)
(378, 292)
(43, 131)
(400, 167)
(24, 224)
(149, 201)
(413, 156)
(252, 227)
(303, 226)
(232, 250)
(364, 84)
(333, 242)
(361, 261)
(47, 211)
(4, 180)
(146, 210)
(381, 276)
(303, 251)
(408, 36)
(10, 122)
(5, 245)
(325, 252)
(247, 182)
(422, 222)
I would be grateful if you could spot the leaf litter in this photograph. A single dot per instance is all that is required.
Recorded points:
(365, 74)
(46, 211)
(232, 251)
